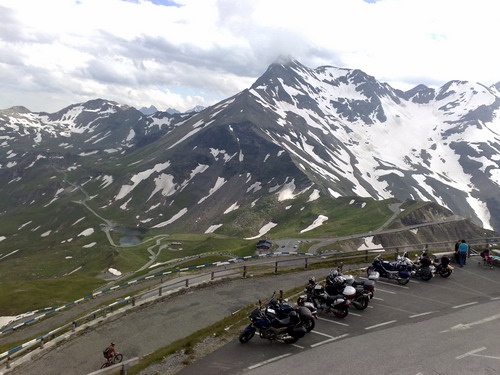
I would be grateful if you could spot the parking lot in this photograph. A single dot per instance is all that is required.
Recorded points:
(440, 326)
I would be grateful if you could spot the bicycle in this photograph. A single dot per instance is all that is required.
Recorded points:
(113, 360)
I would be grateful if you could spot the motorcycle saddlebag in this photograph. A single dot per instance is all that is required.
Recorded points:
(404, 274)
(374, 276)
(369, 284)
(304, 313)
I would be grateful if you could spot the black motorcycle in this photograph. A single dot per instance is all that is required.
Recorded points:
(422, 267)
(336, 304)
(307, 312)
(443, 266)
(336, 283)
(265, 321)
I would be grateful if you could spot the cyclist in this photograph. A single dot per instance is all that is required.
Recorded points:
(110, 352)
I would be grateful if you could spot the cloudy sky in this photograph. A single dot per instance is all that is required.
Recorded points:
(183, 53)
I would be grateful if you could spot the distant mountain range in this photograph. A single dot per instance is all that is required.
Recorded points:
(152, 110)
(324, 132)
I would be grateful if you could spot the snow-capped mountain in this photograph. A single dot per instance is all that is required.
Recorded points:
(327, 131)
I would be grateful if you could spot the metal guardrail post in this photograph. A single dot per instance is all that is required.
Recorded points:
(124, 370)
(305, 265)
(244, 272)
(159, 291)
(8, 362)
(133, 301)
(187, 282)
(366, 255)
(276, 267)
(396, 254)
(212, 276)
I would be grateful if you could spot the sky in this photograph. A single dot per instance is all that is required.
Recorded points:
(183, 53)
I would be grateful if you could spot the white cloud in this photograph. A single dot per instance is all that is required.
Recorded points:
(58, 52)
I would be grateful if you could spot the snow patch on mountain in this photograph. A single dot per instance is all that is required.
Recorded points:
(368, 244)
(266, 228)
(316, 223)
(314, 195)
(233, 207)
(213, 228)
(218, 184)
(87, 232)
(138, 178)
(164, 183)
(172, 219)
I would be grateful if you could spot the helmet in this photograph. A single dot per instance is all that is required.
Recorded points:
(312, 280)
(112, 344)
(338, 280)
(334, 273)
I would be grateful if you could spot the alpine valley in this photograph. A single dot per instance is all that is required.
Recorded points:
(298, 145)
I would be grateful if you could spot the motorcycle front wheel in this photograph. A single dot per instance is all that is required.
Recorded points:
(445, 273)
(361, 303)
(246, 336)
(370, 270)
(426, 275)
(309, 324)
(341, 313)
(403, 281)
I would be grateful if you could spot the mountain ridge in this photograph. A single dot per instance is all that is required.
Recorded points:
(336, 132)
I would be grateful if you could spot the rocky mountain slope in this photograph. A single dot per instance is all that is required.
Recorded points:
(296, 135)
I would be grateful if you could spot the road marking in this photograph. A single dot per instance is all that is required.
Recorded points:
(321, 333)
(385, 291)
(465, 304)
(370, 307)
(398, 286)
(471, 353)
(269, 361)
(379, 299)
(329, 340)
(422, 314)
(461, 327)
(351, 313)
(495, 298)
(298, 346)
(333, 321)
(381, 324)
(485, 356)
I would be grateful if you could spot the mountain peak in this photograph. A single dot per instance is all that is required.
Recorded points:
(16, 109)
(148, 110)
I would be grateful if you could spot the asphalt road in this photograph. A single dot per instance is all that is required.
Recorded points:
(143, 330)
(444, 326)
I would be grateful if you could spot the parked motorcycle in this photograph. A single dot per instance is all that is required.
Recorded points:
(422, 267)
(367, 285)
(443, 266)
(336, 304)
(390, 270)
(265, 321)
(336, 283)
(307, 312)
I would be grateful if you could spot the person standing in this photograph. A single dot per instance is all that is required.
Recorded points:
(463, 251)
(457, 259)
